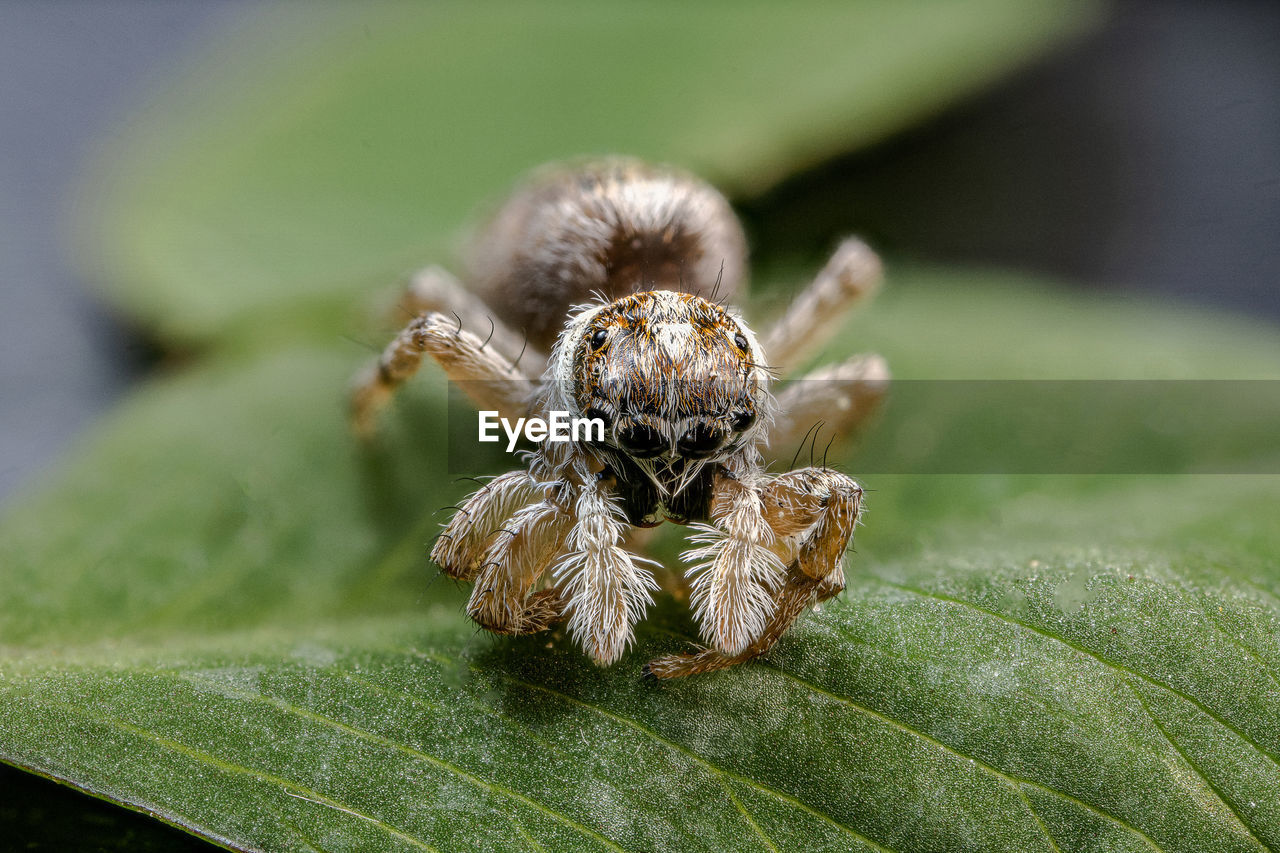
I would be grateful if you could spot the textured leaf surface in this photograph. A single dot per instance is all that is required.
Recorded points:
(316, 155)
(222, 613)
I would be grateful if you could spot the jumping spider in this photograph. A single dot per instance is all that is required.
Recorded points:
(621, 270)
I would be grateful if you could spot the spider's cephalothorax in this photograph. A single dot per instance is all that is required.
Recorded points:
(679, 384)
(682, 387)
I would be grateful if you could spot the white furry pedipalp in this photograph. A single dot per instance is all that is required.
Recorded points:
(606, 588)
(735, 575)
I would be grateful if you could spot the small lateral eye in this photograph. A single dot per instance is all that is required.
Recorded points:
(598, 339)
(740, 340)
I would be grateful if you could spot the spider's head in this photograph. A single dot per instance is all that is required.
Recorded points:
(675, 378)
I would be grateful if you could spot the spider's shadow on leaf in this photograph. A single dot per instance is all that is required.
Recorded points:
(542, 676)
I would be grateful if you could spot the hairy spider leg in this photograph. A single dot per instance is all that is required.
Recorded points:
(842, 396)
(849, 279)
(489, 378)
(811, 513)
(434, 289)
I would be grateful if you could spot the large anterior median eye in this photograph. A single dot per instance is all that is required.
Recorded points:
(642, 441)
(700, 442)
(595, 413)
(599, 338)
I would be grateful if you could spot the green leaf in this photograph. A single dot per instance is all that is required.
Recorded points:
(312, 157)
(222, 614)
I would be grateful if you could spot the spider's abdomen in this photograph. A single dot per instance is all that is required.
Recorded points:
(609, 229)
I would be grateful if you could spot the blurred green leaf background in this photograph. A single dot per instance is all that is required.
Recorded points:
(220, 612)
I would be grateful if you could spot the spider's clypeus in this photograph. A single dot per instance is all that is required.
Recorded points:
(621, 272)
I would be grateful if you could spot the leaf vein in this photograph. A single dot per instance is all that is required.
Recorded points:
(487, 710)
(1229, 636)
(1195, 767)
(633, 724)
(528, 839)
(1110, 664)
(436, 761)
(1027, 802)
(239, 769)
(1014, 781)
(728, 789)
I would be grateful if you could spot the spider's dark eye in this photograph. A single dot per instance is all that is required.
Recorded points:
(599, 414)
(742, 420)
(598, 339)
(740, 340)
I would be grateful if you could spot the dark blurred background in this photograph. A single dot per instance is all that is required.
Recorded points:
(1144, 156)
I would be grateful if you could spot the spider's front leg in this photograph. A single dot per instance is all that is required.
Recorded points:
(811, 514)
(503, 600)
(502, 538)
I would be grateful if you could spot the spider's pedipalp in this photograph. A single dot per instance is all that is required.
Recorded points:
(811, 514)
(606, 589)
(794, 598)
(736, 572)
